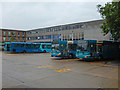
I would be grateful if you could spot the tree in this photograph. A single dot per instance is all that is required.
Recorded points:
(111, 16)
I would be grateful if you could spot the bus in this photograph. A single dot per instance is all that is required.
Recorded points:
(63, 49)
(97, 49)
(22, 47)
(45, 47)
(7, 46)
(2, 46)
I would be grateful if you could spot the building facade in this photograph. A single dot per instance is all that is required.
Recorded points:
(7, 35)
(75, 31)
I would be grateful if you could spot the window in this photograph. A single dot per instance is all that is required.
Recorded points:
(14, 33)
(55, 47)
(18, 38)
(16, 45)
(9, 33)
(4, 33)
(22, 45)
(38, 38)
(23, 39)
(28, 46)
(83, 35)
(48, 46)
(72, 46)
(60, 28)
(32, 46)
(9, 38)
(23, 33)
(82, 45)
(43, 46)
(18, 33)
(82, 26)
(4, 38)
(70, 36)
(37, 46)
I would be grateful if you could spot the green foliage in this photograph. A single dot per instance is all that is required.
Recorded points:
(111, 15)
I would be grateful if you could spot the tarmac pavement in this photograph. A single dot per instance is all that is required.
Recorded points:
(40, 71)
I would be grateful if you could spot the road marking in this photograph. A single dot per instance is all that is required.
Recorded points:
(56, 69)
(102, 64)
(63, 70)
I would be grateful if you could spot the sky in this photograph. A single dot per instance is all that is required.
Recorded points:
(34, 15)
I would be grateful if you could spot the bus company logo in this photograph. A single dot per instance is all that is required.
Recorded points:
(70, 42)
(55, 42)
(100, 41)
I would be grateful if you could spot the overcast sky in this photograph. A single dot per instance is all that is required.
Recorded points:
(33, 15)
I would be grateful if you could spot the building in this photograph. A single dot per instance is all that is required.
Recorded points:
(75, 31)
(7, 35)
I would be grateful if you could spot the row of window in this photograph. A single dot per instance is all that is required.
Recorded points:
(27, 46)
(60, 28)
(46, 46)
(45, 37)
(9, 38)
(32, 46)
(13, 33)
(58, 36)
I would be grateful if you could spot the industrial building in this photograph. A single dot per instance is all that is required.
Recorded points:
(75, 31)
(7, 35)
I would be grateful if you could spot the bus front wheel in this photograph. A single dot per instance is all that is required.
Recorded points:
(44, 51)
(24, 51)
(100, 57)
(70, 55)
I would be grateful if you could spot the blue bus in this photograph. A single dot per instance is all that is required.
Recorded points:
(22, 47)
(45, 47)
(97, 49)
(64, 49)
(2, 46)
(7, 46)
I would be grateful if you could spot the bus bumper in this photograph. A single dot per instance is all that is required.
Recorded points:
(54, 57)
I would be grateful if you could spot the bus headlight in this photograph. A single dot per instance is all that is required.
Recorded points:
(86, 56)
(59, 54)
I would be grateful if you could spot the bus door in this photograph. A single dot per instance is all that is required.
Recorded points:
(72, 46)
(99, 49)
(64, 50)
(92, 49)
(8, 47)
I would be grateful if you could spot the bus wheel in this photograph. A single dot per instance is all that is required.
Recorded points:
(70, 55)
(44, 51)
(100, 57)
(24, 51)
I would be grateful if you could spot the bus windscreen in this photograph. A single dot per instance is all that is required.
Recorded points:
(55, 47)
(82, 45)
(72, 46)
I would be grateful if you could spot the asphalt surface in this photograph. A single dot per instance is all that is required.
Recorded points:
(39, 71)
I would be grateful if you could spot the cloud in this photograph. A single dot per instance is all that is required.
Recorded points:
(31, 15)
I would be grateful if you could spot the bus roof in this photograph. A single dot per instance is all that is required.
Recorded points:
(24, 43)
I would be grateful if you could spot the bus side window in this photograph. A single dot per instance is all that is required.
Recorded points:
(28, 46)
(16, 45)
(22, 45)
(48, 46)
(36, 46)
(32, 46)
(100, 49)
(43, 46)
